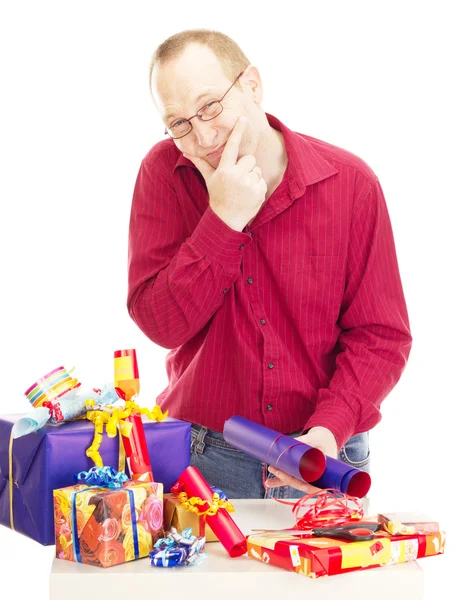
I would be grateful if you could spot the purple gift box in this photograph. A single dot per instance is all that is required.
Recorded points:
(48, 459)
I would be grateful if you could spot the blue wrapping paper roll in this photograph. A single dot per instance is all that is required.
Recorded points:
(340, 476)
(302, 461)
(260, 442)
(31, 421)
(48, 459)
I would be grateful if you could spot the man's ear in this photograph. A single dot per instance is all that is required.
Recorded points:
(253, 81)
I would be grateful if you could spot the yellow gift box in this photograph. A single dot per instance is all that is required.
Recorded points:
(175, 515)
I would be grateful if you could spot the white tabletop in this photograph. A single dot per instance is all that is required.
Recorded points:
(232, 577)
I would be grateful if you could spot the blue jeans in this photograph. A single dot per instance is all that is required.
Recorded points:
(240, 476)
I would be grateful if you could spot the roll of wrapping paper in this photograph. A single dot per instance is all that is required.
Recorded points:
(221, 523)
(127, 380)
(136, 450)
(343, 477)
(68, 407)
(296, 458)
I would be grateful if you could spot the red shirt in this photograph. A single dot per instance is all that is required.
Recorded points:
(297, 321)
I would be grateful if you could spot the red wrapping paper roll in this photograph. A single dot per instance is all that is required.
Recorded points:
(136, 450)
(221, 524)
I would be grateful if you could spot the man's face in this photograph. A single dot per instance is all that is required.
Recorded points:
(185, 85)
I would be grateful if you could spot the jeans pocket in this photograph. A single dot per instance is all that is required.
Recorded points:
(356, 452)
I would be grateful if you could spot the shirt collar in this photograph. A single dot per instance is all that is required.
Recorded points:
(306, 165)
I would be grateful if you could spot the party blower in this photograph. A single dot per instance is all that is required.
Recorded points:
(296, 458)
(134, 442)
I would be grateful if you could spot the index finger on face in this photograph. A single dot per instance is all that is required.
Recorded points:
(231, 149)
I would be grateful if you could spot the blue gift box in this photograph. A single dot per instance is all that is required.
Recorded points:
(49, 458)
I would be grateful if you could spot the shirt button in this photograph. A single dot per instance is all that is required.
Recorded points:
(241, 246)
(271, 365)
(269, 407)
(262, 321)
(225, 290)
(250, 280)
(249, 233)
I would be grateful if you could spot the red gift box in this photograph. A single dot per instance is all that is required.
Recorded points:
(318, 557)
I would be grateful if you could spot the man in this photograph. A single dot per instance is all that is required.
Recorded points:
(264, 259)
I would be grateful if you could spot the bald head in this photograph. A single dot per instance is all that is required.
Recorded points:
(181, 83)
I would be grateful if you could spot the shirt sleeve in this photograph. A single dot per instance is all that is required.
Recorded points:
(177, 279)
(375, 338)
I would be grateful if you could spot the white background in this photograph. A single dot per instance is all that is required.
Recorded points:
(387, 81)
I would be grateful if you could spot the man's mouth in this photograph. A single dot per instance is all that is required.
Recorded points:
(217, 152)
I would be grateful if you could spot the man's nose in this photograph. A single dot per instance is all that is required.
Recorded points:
(205, 132)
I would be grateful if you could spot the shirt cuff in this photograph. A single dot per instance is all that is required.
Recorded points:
(217, 240)
(338, 418)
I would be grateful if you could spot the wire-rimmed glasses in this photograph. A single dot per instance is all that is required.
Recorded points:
(208, 112)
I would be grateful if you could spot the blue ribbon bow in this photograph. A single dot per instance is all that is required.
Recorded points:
(102, 477)
(177, 549)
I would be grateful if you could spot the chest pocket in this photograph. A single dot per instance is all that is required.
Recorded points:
(312, 288)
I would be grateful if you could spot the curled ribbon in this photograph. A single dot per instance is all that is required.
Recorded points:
(190, 504)
(222, 495)
(102, 477)
(52, 386)
(111, 419)
(331, 507)
(54, 410)
(177, 549)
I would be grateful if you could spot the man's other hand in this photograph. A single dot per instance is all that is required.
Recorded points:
(318, 437)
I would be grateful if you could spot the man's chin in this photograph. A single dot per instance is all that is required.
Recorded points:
(214, 161)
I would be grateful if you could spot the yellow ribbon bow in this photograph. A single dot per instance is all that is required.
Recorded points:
(190, 504)
(114, 420)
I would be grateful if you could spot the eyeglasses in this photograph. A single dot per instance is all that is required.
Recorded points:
(206, 113)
